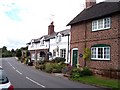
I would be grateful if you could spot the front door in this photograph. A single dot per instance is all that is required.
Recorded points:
(75, 58)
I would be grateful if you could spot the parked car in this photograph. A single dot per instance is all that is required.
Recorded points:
(4, 81)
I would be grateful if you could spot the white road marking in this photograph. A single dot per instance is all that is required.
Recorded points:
(19, 72)
(11, 65)
(35, 82)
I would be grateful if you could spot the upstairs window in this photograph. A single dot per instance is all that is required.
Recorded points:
(101, 24)
(42, 42)
(58, 38)
(32, 45)
(100, 52)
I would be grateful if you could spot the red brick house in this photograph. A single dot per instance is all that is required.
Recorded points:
(97, 27)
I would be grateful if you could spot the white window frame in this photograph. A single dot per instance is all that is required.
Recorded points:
(101, 23)
(54, 53)
(95, 53)
(33, 56)
(63, 53)
(38, 56)
(32, 45)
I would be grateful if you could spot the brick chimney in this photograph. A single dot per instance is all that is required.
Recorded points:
(51, 28)
(90, 3)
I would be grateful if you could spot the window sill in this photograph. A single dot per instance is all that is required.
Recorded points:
(100, 59)
(103, 29)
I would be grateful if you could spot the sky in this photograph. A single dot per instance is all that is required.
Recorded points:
(23, 20)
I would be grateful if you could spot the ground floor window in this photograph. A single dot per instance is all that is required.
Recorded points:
(38, 56)
(33, 56)
(100, 52)
(63, 53)
(54, 53)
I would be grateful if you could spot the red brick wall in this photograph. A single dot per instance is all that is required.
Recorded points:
(38, 51)
(109, 37)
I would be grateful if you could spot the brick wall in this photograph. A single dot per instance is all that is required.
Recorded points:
(38, 51)
(109, 37)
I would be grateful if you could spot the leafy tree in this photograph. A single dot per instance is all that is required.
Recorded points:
(4, 48)
(18, 53)
(86, 55)
(27, 53)
(13, 51)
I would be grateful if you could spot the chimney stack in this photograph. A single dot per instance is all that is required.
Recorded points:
(90, 3)
(51, 28)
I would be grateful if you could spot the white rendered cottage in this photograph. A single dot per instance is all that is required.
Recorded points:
(55, 44)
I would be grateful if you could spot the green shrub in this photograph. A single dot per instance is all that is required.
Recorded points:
(75, 73)
(41, 62)
(48, 67)
(41, 67)
(58, 60)
(37, 67)
(57, 68)
(86, 72)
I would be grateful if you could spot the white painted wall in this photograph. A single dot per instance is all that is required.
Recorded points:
(63, 44)
(36, 46)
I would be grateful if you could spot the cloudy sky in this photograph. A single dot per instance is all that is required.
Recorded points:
(23, 20)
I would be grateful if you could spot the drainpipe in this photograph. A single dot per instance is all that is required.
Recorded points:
(35, 57)
(68, 48)
(49, 48)
(85, 39)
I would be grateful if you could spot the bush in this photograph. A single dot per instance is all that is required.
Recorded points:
(86, 72)
(41, 62)
(77, 72)
(41, 67)
(58, 60)
(48, 67)
(57, 68)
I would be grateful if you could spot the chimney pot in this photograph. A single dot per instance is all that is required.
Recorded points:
(90, 3)
(51, 28)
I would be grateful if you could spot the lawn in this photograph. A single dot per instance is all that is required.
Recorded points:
(99, 81)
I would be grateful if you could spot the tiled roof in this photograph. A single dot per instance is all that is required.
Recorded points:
(65, 32)
(99, 10)
(47, 37)
(51, 36)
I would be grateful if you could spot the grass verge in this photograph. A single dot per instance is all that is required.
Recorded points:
(99, 81)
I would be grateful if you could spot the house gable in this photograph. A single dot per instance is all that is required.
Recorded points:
(97, 11)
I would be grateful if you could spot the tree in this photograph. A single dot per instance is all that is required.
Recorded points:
(86, 55)
(27, 53)
(13, 51)
(4, 49)
(18, 53)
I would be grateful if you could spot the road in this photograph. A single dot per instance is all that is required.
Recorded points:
(23, 76)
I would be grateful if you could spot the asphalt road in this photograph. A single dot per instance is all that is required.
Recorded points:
(23, 76)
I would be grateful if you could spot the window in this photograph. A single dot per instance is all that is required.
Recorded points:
(63, 53)
(38, 56)
(42, 42)
(3, 77)
(101, 24)
(58, 38)
(32, 45)
(100, 52)
(33, 57)
(54, 53)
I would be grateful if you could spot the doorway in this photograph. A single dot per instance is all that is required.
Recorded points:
(74, 57)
